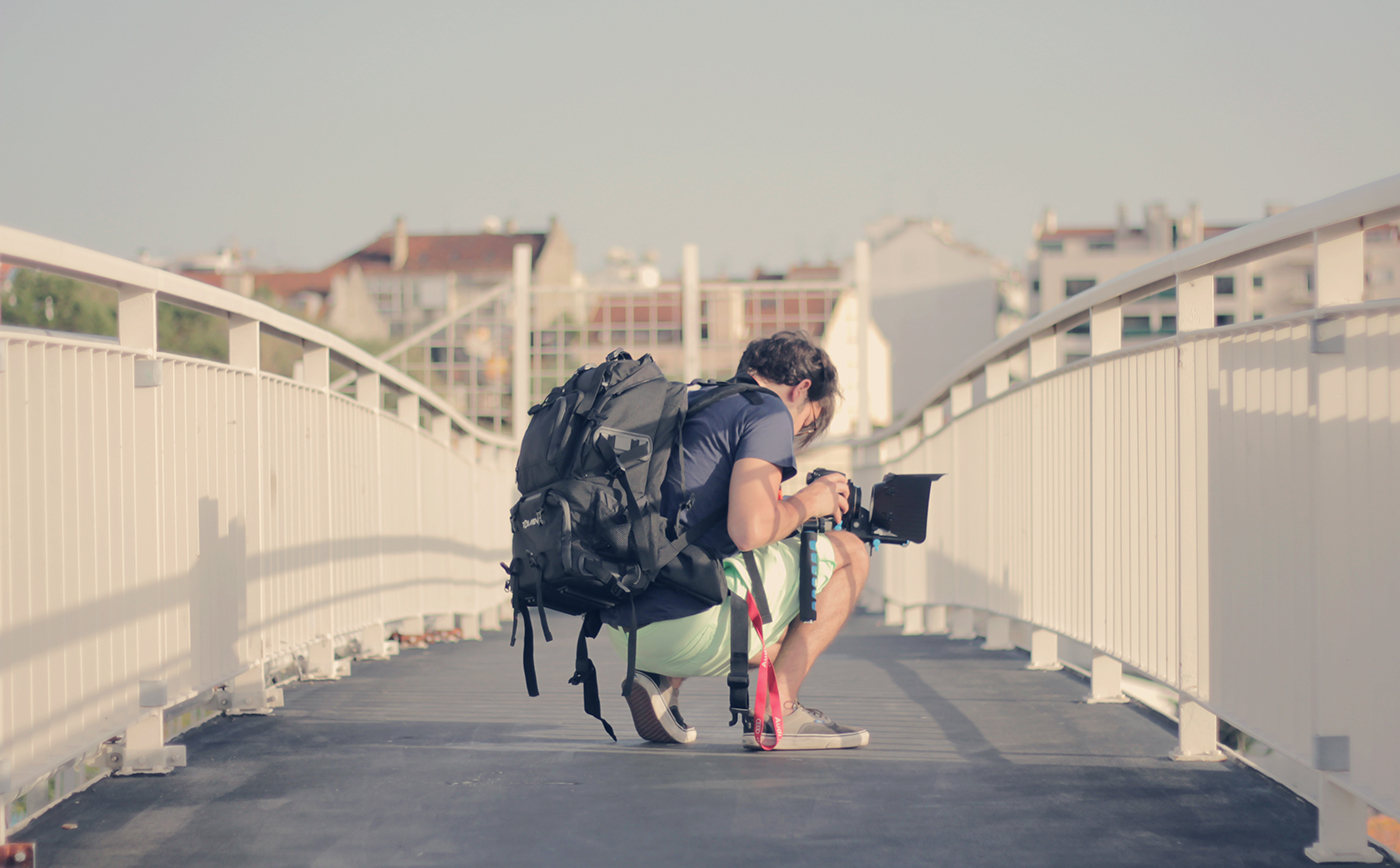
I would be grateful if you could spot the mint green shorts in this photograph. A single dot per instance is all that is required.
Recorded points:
(698, 645)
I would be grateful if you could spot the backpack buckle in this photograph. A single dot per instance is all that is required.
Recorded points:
(737, 715)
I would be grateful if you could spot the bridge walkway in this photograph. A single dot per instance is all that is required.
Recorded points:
(438, 758)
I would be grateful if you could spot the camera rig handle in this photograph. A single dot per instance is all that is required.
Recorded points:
(898, 515)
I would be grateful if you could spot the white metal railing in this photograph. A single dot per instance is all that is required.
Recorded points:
(1217, 510)
(174, 532)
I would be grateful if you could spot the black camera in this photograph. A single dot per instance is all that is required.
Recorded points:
(898, 514)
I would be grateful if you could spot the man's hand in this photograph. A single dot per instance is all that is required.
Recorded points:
(757, 516)
(829, 494)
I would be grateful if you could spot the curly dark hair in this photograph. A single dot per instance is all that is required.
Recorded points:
(789, 358)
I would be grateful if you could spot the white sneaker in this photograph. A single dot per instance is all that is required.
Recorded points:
(653, 713)
(807, 729)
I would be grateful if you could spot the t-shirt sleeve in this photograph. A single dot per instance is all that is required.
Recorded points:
(766, 433)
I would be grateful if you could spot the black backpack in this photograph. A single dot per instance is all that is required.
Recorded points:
(588, 533)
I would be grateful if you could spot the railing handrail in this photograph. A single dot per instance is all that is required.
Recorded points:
(1373, 204)
(29, 250)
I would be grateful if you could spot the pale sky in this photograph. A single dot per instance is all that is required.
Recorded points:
(763, 132)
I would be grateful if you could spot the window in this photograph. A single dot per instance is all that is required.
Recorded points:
(1035, 285)
(1258, 316)
(1081, 329)
(1166, 293)
(1224, 319)
(1137, 325)
(1168, 326)
(1224, 284)
(1052, 246)
(1076, 285)
(1310, 280)
(1258, 281)
(1104, 244)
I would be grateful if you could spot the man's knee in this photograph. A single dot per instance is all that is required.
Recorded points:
(850, 552)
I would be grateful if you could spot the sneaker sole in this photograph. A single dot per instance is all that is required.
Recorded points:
(653, 719)
(810, 741)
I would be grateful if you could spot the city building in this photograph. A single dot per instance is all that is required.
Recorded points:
(1066, 261)
(936, 300)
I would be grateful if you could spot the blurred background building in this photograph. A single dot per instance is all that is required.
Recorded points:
(1065, 261)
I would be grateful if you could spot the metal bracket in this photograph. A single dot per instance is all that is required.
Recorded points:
(143, 761)
(17, 853)
(1332, 753)
(147, 373)
(1329, 335)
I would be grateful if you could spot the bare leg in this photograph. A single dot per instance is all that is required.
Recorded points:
(804, 642)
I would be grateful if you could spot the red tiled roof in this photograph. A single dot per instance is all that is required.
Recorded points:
(482, 255)
(288, 283)
(212, 278)
(830, 271)
(471, 254)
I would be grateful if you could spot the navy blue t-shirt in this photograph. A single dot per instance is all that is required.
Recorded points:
(712, 440)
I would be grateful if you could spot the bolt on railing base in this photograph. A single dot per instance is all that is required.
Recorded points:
(17, 854)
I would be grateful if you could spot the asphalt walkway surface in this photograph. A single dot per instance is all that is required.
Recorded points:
(438, 758)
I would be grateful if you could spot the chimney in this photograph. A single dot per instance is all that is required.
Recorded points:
(400, 244)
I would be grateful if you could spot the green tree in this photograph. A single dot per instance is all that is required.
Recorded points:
(48, 301)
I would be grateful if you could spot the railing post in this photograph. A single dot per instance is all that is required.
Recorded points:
(935, 620)
(1105, 336)
(316, 365)
(520, 355)
(244, 342)
(1195, 301)
(1045, 353)
(862, 275)
(367, 390)
(145, 652)
(1339, 278)
(1044, 358)
(998, 377)
(1339, 264)
(442, 429)
(408, 410)
(690, 312)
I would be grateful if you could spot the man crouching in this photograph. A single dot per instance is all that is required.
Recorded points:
(736, 453)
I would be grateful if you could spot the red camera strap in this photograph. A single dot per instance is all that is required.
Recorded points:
(766, 689)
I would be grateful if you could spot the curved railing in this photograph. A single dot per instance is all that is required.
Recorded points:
(177, 534)
(1215, 509)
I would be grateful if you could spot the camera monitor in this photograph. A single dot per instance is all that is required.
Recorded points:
(899, 507)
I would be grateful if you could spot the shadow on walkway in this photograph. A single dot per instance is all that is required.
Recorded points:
(438, 758)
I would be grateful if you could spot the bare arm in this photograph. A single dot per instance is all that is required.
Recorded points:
(757, 516)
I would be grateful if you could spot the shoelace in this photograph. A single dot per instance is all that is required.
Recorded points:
(816, 715)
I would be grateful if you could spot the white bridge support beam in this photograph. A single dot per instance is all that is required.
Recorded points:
(1341, 827)
(1105, 681)
(936, 620)
(1197, 734)
(1045, 651)
(143, 751)
(998, 634)
(963, 625)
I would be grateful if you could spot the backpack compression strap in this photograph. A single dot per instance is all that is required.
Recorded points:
(585, 672)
